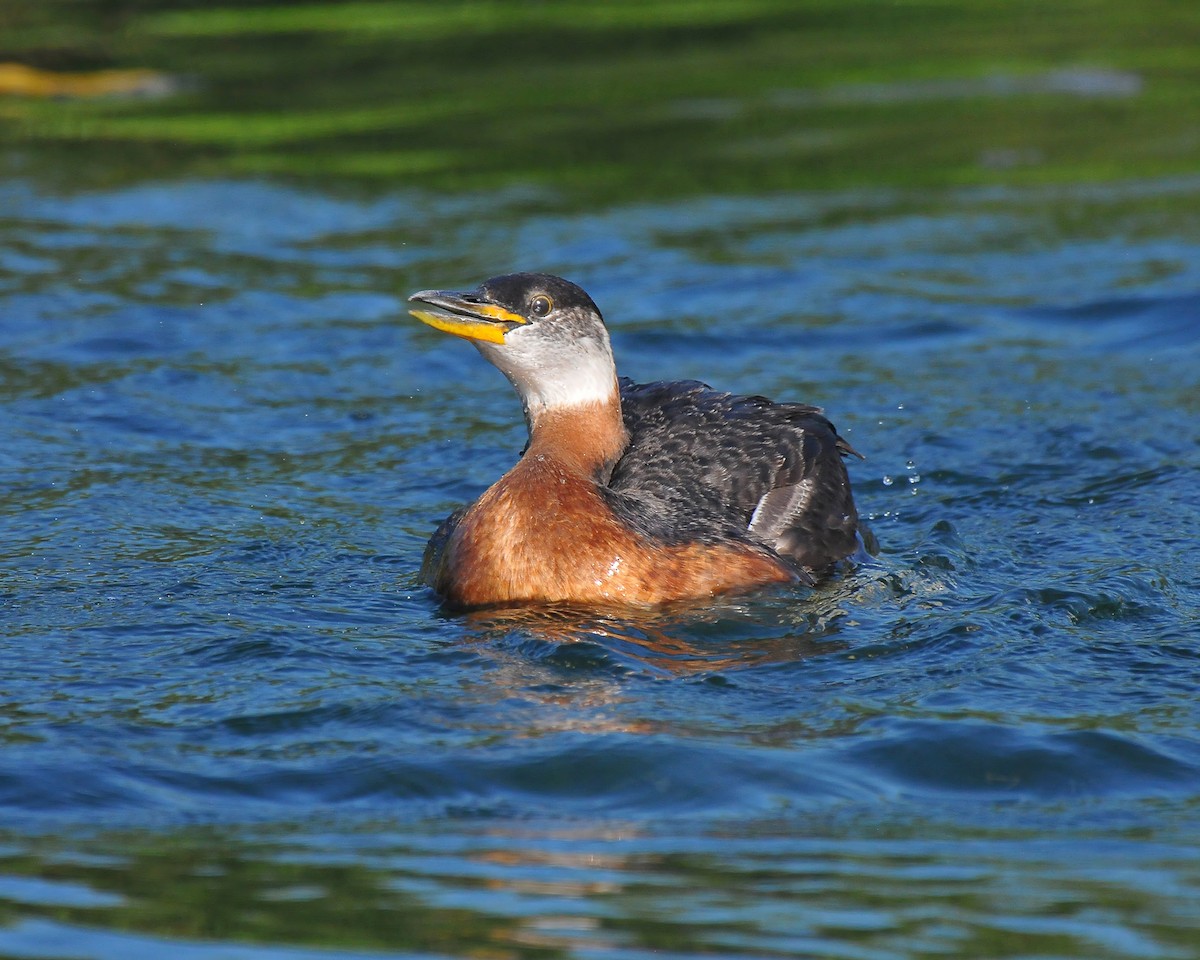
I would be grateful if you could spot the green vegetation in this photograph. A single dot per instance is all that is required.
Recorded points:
(615, 99)
(426, 21)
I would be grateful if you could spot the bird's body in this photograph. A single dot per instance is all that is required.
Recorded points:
(630, 493)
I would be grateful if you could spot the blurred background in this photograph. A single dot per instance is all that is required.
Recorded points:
(612, 100)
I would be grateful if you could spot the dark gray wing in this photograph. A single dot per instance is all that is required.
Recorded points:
(435, 549)
(709, 465)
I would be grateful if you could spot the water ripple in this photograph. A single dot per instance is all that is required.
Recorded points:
(226, 449)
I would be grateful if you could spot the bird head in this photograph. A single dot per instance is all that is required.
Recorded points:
(544, 333)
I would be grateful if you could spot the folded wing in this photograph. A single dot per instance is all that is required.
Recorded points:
(707, 465)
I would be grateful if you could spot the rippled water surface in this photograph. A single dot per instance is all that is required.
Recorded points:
(236, 726)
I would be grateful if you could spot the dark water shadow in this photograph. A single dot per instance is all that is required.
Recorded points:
(1142, 323)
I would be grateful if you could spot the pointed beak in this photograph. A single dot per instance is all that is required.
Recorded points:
(470, 315)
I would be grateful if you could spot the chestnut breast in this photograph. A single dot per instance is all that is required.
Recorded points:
(545, 533)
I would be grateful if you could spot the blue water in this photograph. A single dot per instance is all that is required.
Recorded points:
(235, 725)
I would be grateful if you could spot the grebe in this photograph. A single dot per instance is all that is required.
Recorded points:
(629, 493)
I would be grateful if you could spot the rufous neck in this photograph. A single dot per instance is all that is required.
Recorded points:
(588, 437)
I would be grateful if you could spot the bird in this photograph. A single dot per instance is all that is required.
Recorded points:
(629, 494)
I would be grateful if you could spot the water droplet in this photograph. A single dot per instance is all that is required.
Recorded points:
(888, 481)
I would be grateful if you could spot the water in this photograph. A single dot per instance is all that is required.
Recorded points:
(236, 726)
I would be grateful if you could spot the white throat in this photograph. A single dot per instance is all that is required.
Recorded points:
(550, 378)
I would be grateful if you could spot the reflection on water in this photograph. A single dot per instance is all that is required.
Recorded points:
(622, 99)
(612, 890)
(684, 639)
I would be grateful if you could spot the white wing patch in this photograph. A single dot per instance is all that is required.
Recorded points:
(777, 508)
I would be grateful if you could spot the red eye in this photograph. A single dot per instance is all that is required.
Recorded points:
(541, 306)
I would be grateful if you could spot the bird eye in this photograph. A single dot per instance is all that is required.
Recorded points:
(541, 306)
